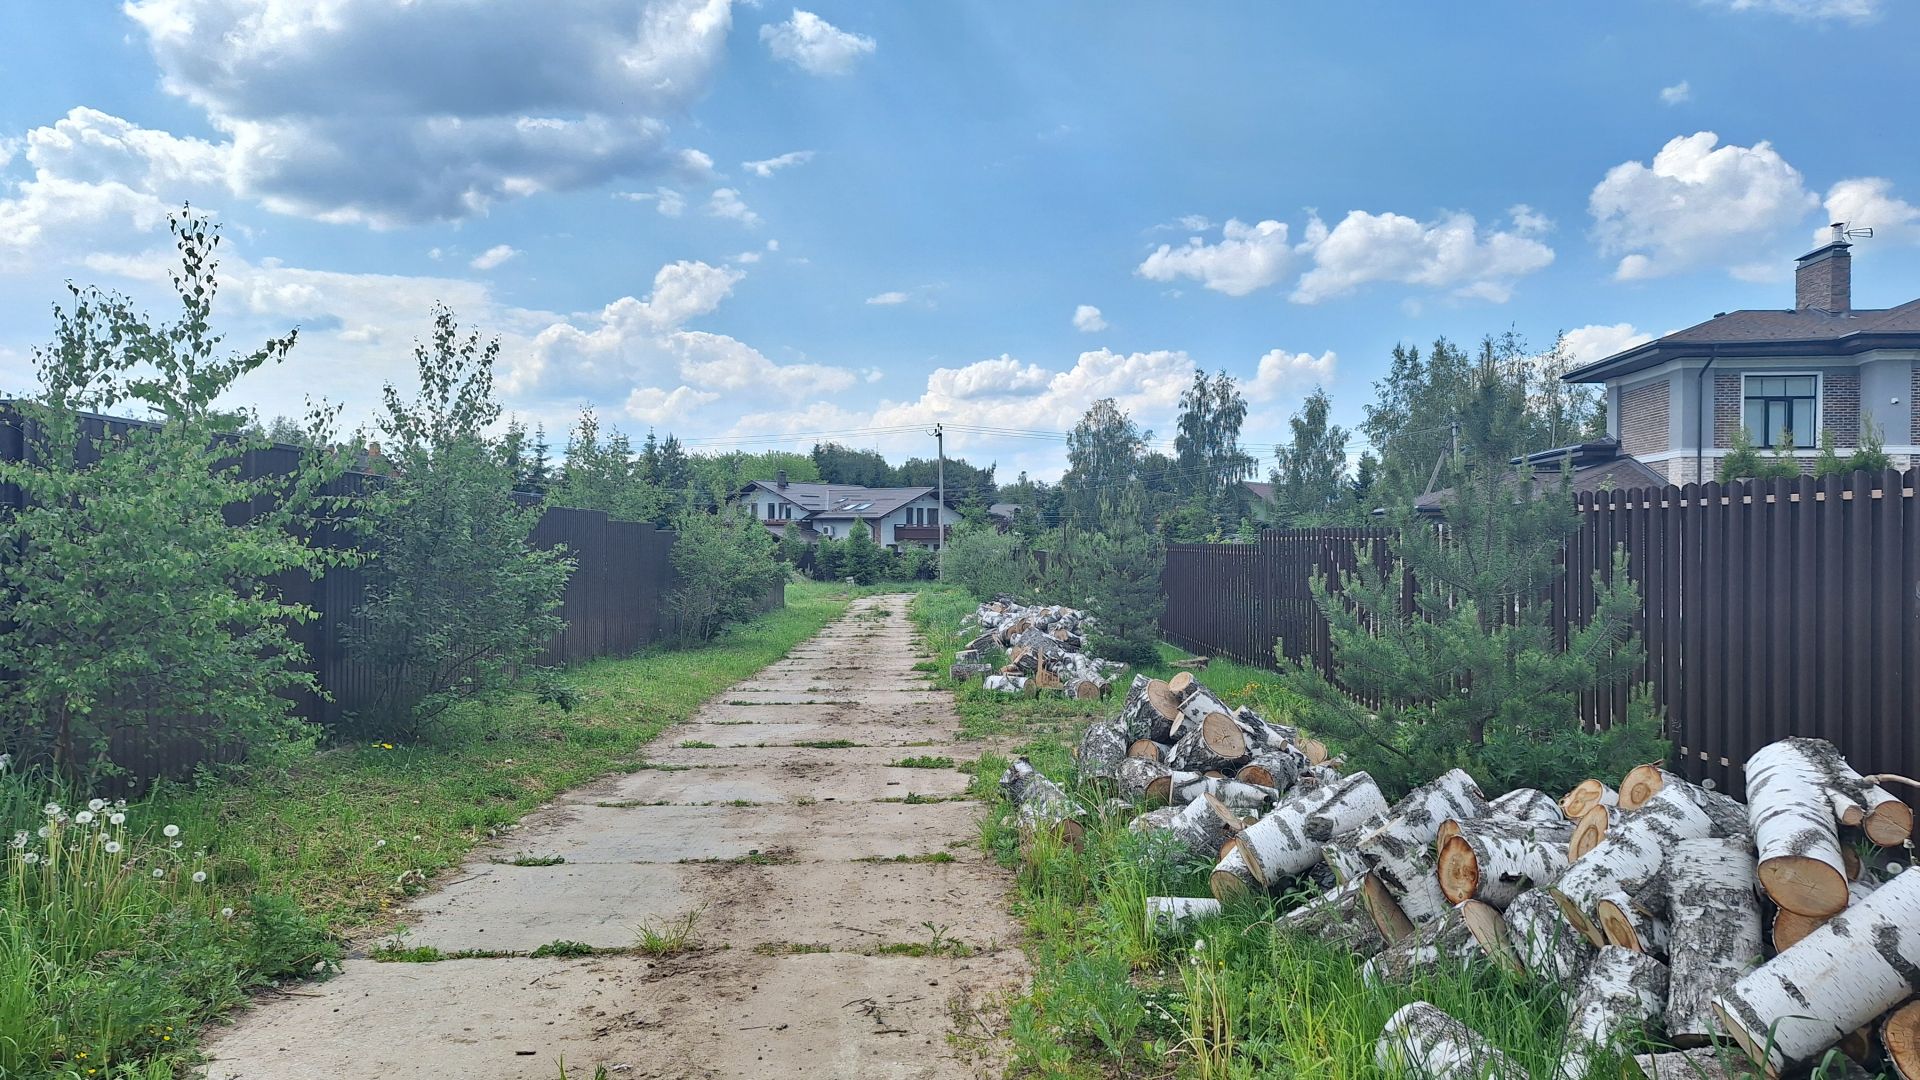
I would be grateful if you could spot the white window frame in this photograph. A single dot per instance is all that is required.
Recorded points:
(1819, 405)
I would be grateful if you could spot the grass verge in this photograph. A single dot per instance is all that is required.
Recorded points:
(118, 939)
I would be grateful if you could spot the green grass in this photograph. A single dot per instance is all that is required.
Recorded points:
(923, 857)
(534, 860)
(311, 846)
(826, 744)
(924, 762)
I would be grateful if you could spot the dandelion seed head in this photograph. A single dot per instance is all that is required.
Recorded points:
(117, 819)
(84, 817)
(53, 809)
(96, 805)
(113, 847)
(45, 831)
(30, 858)
(177, 844)
(159, 872)
(170, 831)
(226, 913)
(199, 877)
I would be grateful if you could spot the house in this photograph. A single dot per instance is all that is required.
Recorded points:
(1823, 367)
(895, 517)
(1596, 465)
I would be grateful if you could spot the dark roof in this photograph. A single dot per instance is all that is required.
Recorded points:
(835, 502)
(1598, 465)
(1808, 332)
(1003, 510)
(1263, 492)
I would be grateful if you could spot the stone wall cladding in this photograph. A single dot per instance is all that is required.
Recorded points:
(1643, 418)
(1840, 407)
(1913, 406)
(1726, 408)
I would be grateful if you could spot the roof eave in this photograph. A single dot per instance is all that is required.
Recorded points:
(1655, 353)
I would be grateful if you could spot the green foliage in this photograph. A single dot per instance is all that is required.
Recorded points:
(1207, 447)
(604, 472)
(986, 563)
(1745, 462)
(1120, 583)
(1472, 676)
(133, 602)
(1871, 455)
(458, 598)
(725, 566)
(1103, 455)
(1311, 485)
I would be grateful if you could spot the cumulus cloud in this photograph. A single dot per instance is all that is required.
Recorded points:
(1856, 10)
(388, 114)
(768, 166)
(1088, 320)
(669, 202)
(1450, 253)
(1677, 94)
(1869, 201)
(815, 45)
(1586, 344)
(1699, 204)
(652, 405)
(1246, 258)
(888, 298)
(1282, 373)
(726, 203)
(494, 256)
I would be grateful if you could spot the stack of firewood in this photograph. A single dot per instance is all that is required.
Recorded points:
(1045, 649)
(1741, 932)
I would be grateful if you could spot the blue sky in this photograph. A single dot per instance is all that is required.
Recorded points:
(744, 223)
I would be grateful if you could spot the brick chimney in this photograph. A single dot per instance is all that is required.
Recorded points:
(1823, 277)
(780, 479)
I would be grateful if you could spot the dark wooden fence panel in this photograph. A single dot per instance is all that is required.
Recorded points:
(1768, 609)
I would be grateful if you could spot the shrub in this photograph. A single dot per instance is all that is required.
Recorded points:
(134, 603)
(457, 597)
(985, 562)
(725, 565)
(1121, 578)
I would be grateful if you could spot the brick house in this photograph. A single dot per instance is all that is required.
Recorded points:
(894, 517)
(1675, 403)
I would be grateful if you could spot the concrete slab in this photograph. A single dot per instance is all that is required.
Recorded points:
(585, 833)
(896, 732)
(871, 905)
(728, 757)
(778, 781)
(520, 908)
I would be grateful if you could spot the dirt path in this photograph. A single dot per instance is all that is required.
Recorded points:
(804, 966)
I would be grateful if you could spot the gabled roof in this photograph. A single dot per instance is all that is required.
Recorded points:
(1598, 465)
(1806, 332)
(1259, 490)
(836, 502)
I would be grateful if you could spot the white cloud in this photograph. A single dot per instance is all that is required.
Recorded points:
(1529, 222)
(724, 363)
(1247, 258)
(768, 166)
(652, 405)
(1586, 344)
(815, 45)
(1677, 94)
(1699, 204)
(494, 256)
(1869, 202)
(669, 202)
(1856, 10)
(889, 298)
(1088, 320)
(1449, 253)
(387, 114)
(726, 203)
(1282, 373)
(1195, 222)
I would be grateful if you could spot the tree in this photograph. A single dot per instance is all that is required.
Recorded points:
(459, 599)
(1120, 581)
(1409, 423)
(843, 465)
(1471, 676)
(725, 565)
(1310, 475)
(986, 563)
(1103, 457)
(1745, 462)
(1207, 448)
(965, 480)
(132, 601)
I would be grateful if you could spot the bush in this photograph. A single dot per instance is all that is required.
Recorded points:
(457, 597)
(134, 603)
(1120, 577)
(726, 566)
(986, 563)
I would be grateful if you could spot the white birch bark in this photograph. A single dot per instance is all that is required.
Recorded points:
(1338, 915)
(1700, 1063)
(1168, 915)
(1628, 925)
(1288, 840)
(1526, 804)
(1243, 797)
(1422, 1041)
(1548, 946)
(1231, 878)
(1399, 850)
(1790, 808)
(1632, 854)
(1713, 926)
(1042, 805)
(1134, 775)
(1494, 860)
(1444, 942)
(1622, 992)
(1841, 976)
(1103, 746)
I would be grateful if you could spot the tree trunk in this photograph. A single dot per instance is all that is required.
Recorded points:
(1288, 840)
(1243, 797)
(1275, 768)
(1168, 915)
(1135, 776)
(1900, 1038)
(1339, 916)
(1231, 878)
(1213, 741)
(1494, 860)
(1633, 853)
(1729, 815)
(1584, 794)
(1857, 801)
(1167, 787)
(1700, 1063)
(1422, 1041)
(1547, 945)
(1043, 806)
(1627, 925)
(1713, 926)
(1641, 783)
(1148, 749)
(966, 670)
(1622, 992)
(1526, 804)
(1789, 929)
(1399, 851)
(1103, 746)
(1200, 826)
(1840, 977)
(1791, 810)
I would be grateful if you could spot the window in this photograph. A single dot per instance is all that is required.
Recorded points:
(769, 511)
(1777, 406)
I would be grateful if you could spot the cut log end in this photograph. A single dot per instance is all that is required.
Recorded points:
(1616, 924)
(1145, 748)
(1180, 682)
(1588, 831)
(1577, 918)
(1585, 794)
(1643, 782)
(1387, 915)
(1790, 929)
(1900, 1038)
(1489, 928)
(1458, 868)
(1889, 824)
(1315, 750)
(1804, 885)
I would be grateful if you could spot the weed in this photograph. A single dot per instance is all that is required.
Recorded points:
(563, 949)
(789, 948)
(628, 804)
(916, 799)
(533, 860)
(924, 762)
(667, 937)
(696, 744)
(826, 744)
(756, 857)
(937, 944)
(923, 857)
(927, 666)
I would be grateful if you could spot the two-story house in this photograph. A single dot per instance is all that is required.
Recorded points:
(895, 517)
(1822, 367)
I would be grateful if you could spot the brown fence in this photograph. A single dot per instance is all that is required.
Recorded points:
(615, 604)
(1773, 608)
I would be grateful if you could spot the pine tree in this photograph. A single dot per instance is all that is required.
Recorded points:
(1120, 579)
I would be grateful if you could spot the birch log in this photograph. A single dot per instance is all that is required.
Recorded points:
(1900, 1038)
(1339, 915)
(1858, 801)
(1422, 1041)
(1627, 924)
(1201, 826)
(1246, 798)
(1547, 945)
(1231, 879)
(1168, 915)
(1789, 929)
(1494, 860)
(1399, 850)
(1444, 942)
(1043, 806)
(1622, 992)
(1167, 787)
(1392, 923)
(1148, 749)
(1288, 839)
(1278, 768)
(1632, 854)
(1700, 1063)
(1135, 775)
(1587, 793)
(1841, 976)
(1591, 829)
(1729, 816)
(1526, 804)
(1790, 808)
(1713, 927)
(1103, 746)
(1641, 783)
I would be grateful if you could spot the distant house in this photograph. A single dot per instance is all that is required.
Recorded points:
(895, 517)
(1597, 465)
(1675, 403)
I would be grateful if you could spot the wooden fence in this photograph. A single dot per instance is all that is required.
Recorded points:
(615, 604)
(1771, 608)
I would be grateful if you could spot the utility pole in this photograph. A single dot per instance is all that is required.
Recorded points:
(940, 508)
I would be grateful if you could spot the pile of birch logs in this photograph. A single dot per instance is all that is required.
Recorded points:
(1664, 911)
(1045, 650)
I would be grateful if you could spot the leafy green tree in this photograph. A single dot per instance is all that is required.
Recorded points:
(1472, 676)
(132, 601)
(965, 480)
(1744, 461)
(1310, 475)
(458, 598)
(844, 465)
(1870, 455)
(717, 476)
(725, 566)
(1207, 449)
(1103, 457)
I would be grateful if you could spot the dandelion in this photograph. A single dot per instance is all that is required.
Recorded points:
(45, 831)
(117, 819)
(226, 913)
(53, 809)
(96, 805)
(20, 839)
(30, 858)
(382, 842)
(158, 872)
(199, 877)
(113, 847)
(5, 761)
(84, 817)
(177, 844)
(170, 831)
